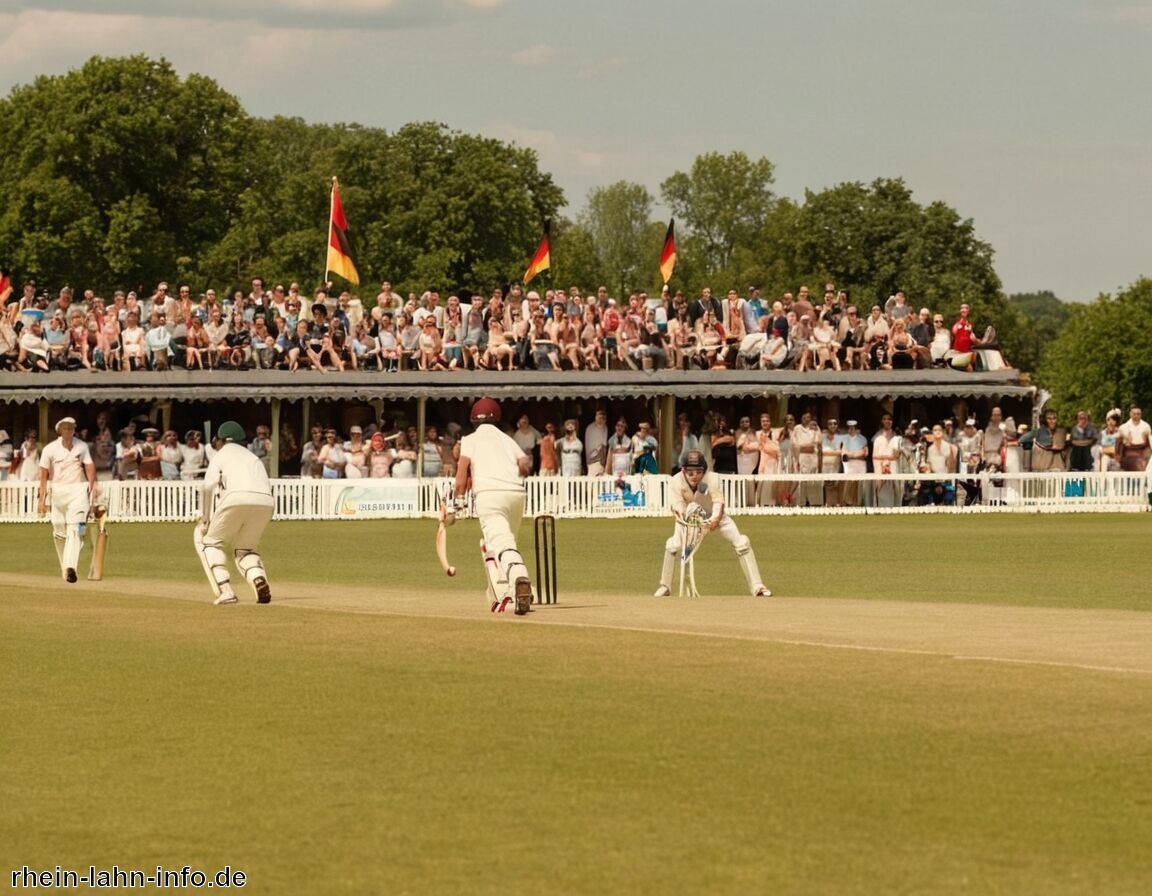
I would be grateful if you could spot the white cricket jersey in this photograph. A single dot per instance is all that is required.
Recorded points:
(236, 469)
(494, 459)
(682, 494)
(65, 466)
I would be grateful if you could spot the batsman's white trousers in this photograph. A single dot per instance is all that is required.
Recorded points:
(500, 513)
(69, 505)
(240, 520)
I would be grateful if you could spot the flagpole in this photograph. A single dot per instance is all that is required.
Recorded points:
(328, 238)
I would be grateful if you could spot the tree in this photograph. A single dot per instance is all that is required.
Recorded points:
(1100, 359)
(1044, 316)
(116, 167)
(618, 218)
(724, 201)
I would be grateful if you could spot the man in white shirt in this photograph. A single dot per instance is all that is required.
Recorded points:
(571, 451)
(526, 436)
(493, 466)
(596, 443)
(235, 507)
(67, 464)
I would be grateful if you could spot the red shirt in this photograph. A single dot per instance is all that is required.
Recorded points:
(962, 335)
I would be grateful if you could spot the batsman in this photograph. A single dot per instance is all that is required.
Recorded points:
(236, 506)
(493, 465)
(694, 485)
(67, 464)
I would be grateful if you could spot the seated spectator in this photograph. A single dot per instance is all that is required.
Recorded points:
(567, 340)
(389, 344)
(962, 357)
(901, 347)
(429, 346)
(774, 352)
(196, 345)
(263, 344)
(922, 334)
(475, 336)
(56, 335)
(158, 342)
(216, 329)
(194, 458)
(239, 342)
(453, 335)
(150, 467)
(409, 336)
(591, 344)
(77, 352)
(709, 340)
(33, 354)
(825, 348)
(876, 331)
(802, 343)
(310, 466)
(987, 350)
(682, 347)
(9, 344)
(850, 334)
(499, 353)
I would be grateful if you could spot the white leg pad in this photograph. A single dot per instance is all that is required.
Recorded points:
(747, 558)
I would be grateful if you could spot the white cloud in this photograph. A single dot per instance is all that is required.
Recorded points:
(324, 14)
(1120, 14)
(557, 153)
(538, 54)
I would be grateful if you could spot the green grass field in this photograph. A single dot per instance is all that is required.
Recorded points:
(374, 730)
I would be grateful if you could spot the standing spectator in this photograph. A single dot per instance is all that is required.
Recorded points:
(170, 456)
(128, 455)
(596, 443)
(1110, 442)
(1135, 437)
(194, 459)
(379, 457)
(7, 452)
(150, 467)
(404, 458)
(620, 450)
(855, 448)
(27, 458)
(684, 441)
(549, 458)
(885, 461)
(1047, 442)
(722, 441)
(67, 464)
(768, 463)
(310, 466)
(644, 447)
(922, 333)
(571, 450)
(831, 460)
(526, 436)
(331, 456)
(261, 446)
(433, 451)
(747, 457)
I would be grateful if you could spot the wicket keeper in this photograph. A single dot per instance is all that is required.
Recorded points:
(236, 506)
(67, 463)
(695, 485)
(496, 467)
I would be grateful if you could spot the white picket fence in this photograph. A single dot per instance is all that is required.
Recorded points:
(602, 496)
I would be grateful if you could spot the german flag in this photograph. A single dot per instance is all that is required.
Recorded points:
(542, 260)
(339, 249)
(668, 255)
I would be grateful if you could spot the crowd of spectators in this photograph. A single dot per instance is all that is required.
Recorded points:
(281, 328)
(953, 451)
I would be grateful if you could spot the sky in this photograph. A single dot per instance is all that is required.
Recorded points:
(1031, 117)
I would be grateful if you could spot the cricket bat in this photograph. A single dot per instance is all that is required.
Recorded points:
(100, 544)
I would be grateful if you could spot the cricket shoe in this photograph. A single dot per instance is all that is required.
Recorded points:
(226, 597)
(70, 575)
(523, 596)
(761, 591)
(499, 606)
(263, 592)
(663, 591)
